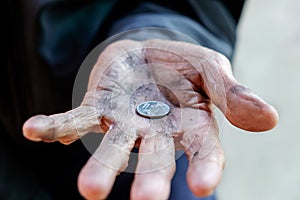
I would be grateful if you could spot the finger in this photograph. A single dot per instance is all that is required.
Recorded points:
(65, 127)
(98, 175)
(205, 171)
(240, 105)
(206, 158)
(155, 168)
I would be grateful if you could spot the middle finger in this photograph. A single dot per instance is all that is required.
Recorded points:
(155, 169)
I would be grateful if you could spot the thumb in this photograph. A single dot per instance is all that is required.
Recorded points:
(242, 107)
(248, 111)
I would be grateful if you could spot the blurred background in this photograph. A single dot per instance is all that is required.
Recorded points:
(266, 166)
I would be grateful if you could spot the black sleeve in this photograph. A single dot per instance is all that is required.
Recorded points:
(209, 23)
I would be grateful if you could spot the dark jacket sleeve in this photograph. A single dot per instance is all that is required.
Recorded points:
(68, 32)
(209, 23)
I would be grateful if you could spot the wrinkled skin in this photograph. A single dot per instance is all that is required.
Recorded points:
(187, 77)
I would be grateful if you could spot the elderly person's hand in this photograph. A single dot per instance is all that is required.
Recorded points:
(189, 79)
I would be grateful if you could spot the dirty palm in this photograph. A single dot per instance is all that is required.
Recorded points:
(189, 79)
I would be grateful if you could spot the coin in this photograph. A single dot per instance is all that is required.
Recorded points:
(153, 109)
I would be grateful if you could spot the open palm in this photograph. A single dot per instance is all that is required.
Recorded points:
(190, 79)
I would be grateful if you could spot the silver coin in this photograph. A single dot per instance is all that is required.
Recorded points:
(153, 109)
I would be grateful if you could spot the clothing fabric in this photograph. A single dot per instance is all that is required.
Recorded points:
(46, 42)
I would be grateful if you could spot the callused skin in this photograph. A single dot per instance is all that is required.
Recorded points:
(187, 77)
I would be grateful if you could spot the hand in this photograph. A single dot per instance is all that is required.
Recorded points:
(190, 79)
